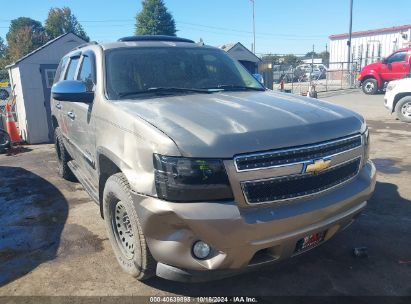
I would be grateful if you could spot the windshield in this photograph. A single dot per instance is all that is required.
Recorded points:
(134, 70)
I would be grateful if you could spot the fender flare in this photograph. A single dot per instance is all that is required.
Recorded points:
(376, 76)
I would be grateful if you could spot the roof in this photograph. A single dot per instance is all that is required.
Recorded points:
(373, 32)
(229, 46)
(150, 43)
(155, 38)
(40, 48)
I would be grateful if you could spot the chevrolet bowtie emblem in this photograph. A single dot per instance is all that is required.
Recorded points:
(318, 166)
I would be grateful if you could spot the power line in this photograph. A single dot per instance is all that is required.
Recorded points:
(106, 21)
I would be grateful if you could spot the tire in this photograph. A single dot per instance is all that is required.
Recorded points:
(403, 109)
(124, 229)
(370, 86)
(5, 141)
(63, 157)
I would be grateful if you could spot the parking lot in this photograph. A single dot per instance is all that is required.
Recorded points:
(53, 241)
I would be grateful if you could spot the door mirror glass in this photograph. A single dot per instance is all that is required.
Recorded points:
(72, 90)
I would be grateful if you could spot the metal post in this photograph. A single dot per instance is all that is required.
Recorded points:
(349, 45)
(253, 25)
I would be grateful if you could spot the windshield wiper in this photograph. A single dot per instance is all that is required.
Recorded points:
(166, 90)
(227, 87)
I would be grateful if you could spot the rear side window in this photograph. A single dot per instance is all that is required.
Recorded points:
(71, 71)
(397, 57)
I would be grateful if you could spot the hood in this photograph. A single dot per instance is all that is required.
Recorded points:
(229, 123)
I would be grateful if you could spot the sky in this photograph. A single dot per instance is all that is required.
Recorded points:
(282, 27)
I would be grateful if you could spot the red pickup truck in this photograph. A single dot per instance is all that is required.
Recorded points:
(374, 76)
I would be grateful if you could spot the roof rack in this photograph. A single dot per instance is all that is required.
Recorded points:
(155, 38)
(85, 44)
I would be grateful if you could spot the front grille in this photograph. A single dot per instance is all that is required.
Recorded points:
(283, 188)
(295, 155)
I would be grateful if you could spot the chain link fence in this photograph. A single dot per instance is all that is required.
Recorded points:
(297, 79)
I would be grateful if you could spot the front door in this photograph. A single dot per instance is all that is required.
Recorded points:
(395, 66)
(48, 71)
(81, 131)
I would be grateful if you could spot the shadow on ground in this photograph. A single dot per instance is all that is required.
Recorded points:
(32, 217)
(331, 269)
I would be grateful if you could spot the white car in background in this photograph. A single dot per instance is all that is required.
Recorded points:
(398, 98)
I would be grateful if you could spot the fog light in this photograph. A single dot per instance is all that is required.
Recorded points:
(201, 250)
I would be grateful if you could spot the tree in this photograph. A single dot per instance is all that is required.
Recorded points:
(291, 60)
(274, 59)
(311, 54)
(61, 21)
(3, 60)
(154, 19)
(325, 56)
(24, 36)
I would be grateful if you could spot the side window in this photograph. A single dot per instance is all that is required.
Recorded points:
(71, 70)
(86, 73)
(397, 57)
(50, 75)
(60, 70)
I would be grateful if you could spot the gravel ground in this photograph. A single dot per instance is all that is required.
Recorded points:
(53, 242)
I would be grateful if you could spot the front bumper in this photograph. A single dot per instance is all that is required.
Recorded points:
(243, 238)
(389, 100)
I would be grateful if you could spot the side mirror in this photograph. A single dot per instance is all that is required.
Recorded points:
(384, 60)
(71, 90)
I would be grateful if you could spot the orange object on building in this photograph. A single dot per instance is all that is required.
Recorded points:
(11, 125)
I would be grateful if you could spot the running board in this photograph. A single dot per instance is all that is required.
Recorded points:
(87, 185)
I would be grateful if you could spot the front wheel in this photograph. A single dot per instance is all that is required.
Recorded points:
(124, 229)
(370, 86)
(5, 142)
(403, 109)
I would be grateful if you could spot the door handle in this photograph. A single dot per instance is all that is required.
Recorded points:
(58, 106)
(71, 115)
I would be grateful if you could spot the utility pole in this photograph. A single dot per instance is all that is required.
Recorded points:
(349, 44)
(312, 62)
(253, 25)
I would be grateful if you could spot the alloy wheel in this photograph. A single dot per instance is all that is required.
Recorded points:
(406, 109)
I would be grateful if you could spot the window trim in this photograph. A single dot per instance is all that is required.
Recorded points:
(77, 56)
(47, 77)
(89, 54)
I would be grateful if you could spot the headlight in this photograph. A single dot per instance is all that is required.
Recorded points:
(390, 86)
(190, 179)
(366, 141)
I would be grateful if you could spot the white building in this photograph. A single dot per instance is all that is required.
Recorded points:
(32, 77)
(369, 46)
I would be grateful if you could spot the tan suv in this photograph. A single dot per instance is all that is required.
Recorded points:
(199, 171)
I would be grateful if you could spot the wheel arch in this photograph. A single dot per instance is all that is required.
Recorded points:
(375, 76)
(397, 98)
(107, 165)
